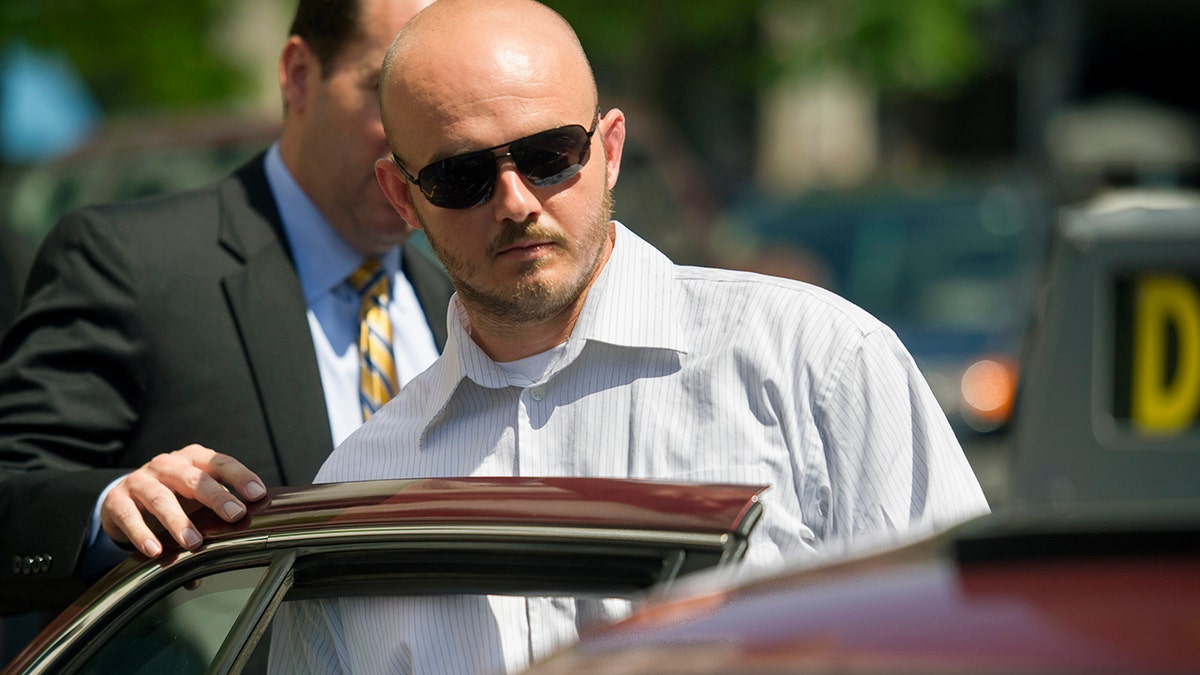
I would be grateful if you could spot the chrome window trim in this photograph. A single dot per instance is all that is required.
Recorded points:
(255, 616)
(497, 533)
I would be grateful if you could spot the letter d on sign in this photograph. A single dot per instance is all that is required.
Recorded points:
(1164, 402)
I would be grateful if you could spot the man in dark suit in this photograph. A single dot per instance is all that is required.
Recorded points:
(172, 346)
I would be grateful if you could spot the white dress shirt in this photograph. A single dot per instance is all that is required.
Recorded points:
(671, 373)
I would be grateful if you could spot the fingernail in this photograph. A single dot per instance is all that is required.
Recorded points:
(233, 510)
(191, 538)
(151, 548)
(255, 490)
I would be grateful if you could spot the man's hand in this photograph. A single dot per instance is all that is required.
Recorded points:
(195, 473)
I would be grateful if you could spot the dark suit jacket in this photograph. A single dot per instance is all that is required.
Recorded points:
(145, 327)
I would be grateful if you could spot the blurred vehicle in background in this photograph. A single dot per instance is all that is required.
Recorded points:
(952, 271)
(1027, 594)
(1091, 565)
(1110, 404)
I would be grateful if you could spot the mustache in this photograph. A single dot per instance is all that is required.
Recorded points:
(514, 233)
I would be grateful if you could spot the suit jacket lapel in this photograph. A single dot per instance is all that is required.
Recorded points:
(268, 307)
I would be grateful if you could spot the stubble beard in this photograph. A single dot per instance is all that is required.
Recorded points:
(533, 298)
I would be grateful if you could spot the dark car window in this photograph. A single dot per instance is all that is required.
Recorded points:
(180, 633)
(936, 263)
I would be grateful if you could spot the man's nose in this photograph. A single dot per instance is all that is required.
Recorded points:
(513, 197)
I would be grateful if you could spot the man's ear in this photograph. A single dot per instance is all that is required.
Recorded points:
(396, 188)
(297, 64)
(612, 135)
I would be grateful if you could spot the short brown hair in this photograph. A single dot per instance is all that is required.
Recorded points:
(327, 26)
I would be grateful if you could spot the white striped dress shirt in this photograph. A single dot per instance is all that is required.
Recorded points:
(671, 373)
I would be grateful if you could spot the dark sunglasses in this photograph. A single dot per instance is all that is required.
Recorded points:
(544, 159)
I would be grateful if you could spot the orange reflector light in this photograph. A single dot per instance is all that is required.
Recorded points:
(988, 388)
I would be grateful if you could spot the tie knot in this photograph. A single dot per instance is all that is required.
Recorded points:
(367, 276)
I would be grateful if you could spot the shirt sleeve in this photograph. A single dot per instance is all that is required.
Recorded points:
(895, 464)
(101, 553)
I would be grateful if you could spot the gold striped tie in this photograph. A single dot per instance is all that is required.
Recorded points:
(377, 367)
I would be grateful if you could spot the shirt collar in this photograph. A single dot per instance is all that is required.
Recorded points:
(323, 259)
(634, 301)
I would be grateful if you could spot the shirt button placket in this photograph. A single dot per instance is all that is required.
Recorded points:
(531, 459)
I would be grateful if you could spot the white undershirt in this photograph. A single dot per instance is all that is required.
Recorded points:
(533, 369)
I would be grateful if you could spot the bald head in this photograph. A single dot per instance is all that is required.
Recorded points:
(466, 79)
(510, 57)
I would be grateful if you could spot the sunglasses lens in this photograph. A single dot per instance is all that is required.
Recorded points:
(459, 182)
(551, 157)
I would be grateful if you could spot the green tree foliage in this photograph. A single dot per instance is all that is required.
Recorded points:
(914, 45)
(639, 43)
(703, 63)
(133, 54)
(138, 54)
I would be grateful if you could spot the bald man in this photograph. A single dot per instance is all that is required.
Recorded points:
(576, 348)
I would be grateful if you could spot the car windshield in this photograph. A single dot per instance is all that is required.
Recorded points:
(951, 261)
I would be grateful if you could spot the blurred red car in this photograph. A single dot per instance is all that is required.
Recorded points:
(1000, 595)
